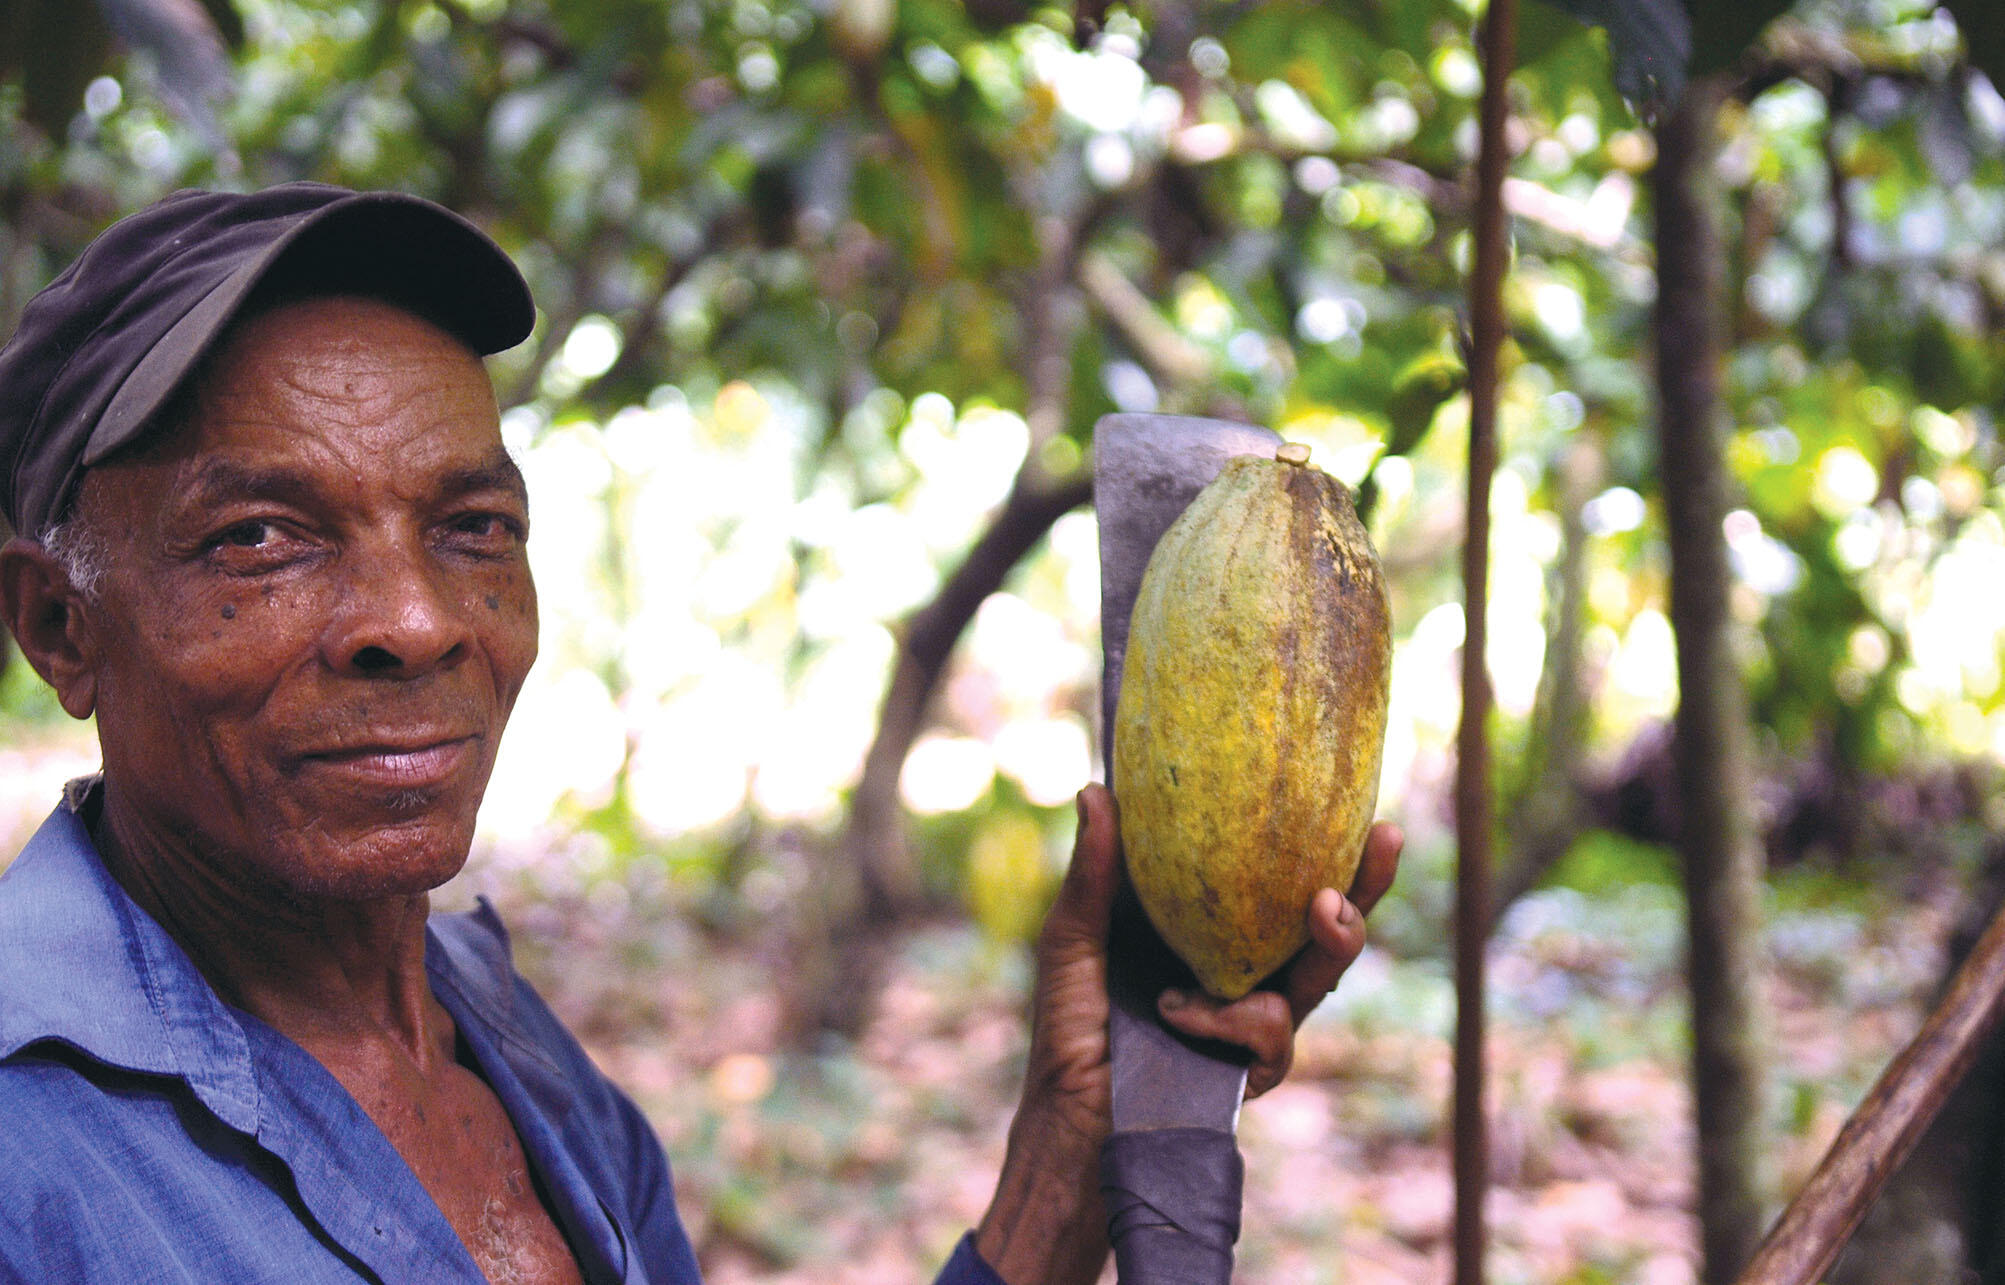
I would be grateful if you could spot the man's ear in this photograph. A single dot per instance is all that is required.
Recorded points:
(49, 620)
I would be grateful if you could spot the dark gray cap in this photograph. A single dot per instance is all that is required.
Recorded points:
(100, 352)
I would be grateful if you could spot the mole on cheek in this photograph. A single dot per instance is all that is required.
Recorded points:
(493, 603)
(229, 611)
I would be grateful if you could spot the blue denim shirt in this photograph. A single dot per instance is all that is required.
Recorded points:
(150, 1133)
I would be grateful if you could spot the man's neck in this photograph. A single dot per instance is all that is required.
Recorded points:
(321, 971)
(346, 981)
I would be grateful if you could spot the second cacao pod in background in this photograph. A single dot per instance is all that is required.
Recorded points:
(1252, 715)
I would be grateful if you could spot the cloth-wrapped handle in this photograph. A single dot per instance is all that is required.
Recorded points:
(1172, 1205)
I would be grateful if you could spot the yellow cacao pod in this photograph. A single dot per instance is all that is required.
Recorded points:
(1251, 720)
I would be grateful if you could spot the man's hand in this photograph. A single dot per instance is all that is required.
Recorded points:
(1046, 1225)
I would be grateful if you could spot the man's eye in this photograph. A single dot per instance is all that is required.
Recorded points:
(487, 526)
(245, 535)
(255, 546)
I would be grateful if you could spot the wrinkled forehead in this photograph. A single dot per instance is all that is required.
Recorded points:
(334, 342)
(351, 331)
(321, 393)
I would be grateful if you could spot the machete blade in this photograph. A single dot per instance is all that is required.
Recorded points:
(1146, 470)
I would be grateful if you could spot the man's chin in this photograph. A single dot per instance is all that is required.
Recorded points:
(405, 855)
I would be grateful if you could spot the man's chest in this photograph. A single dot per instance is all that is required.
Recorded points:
(452, 1132)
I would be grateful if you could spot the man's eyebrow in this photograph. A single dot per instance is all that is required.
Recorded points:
(220, 479)
(496, 473)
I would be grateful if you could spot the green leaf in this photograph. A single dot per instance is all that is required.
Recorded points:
(1543, 29)
(1318, 51)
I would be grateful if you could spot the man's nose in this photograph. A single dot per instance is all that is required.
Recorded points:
(400, 615)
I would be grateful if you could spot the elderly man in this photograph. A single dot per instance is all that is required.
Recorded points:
(272, 541)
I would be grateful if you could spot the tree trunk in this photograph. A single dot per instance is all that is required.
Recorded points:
(870, 879)
(1711, 750)
(890, 879)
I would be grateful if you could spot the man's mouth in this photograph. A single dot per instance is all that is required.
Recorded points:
(416, 764)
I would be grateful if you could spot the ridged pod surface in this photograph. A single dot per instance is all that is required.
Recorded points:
(1251, 719)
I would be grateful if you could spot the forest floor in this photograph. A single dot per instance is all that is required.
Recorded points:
(864, 1161)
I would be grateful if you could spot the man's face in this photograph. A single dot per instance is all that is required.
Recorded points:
(318, 608)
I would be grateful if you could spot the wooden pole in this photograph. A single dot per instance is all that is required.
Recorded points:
(1472, 767)
(1870, 1148)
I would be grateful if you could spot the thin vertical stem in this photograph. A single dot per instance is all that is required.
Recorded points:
(1473, 824)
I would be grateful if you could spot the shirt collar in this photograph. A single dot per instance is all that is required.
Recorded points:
(83, 965)
(472, 971)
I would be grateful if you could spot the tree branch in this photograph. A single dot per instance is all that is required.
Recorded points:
(837, 951)
(1170, 357)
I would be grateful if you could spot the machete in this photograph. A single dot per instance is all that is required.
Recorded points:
(1171, 1169)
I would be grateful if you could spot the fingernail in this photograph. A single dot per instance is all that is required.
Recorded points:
(1079, 805)
(1174, 999)
(1346, 912)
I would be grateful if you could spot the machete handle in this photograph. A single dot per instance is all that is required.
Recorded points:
(1172, 1187)
(1183, 1233)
